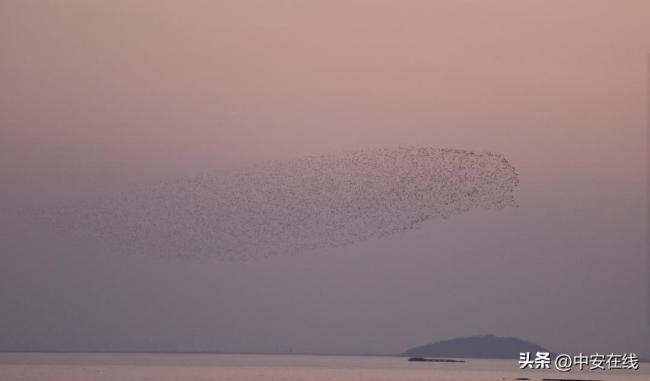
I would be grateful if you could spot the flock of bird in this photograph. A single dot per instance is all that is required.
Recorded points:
(293, 206)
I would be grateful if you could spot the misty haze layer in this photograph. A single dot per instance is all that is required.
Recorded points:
(293, 206)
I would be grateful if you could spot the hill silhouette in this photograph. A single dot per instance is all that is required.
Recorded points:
(483, 346)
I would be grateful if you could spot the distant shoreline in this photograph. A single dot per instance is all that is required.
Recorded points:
(402, 355)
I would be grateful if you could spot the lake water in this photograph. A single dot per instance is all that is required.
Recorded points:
(239, 367)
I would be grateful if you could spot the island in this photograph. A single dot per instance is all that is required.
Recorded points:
(422, 359)
(483, 346)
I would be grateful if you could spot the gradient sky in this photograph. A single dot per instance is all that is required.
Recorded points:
(98, 97)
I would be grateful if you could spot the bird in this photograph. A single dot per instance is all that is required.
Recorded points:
(293, 206)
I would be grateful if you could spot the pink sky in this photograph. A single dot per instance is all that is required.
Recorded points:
(99, 96)
(106, 92)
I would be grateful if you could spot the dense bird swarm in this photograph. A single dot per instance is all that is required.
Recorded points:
(293, 206)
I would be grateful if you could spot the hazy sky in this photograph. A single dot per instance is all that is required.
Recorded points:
(98, 97)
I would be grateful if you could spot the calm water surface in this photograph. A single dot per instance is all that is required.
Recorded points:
(232, 367)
